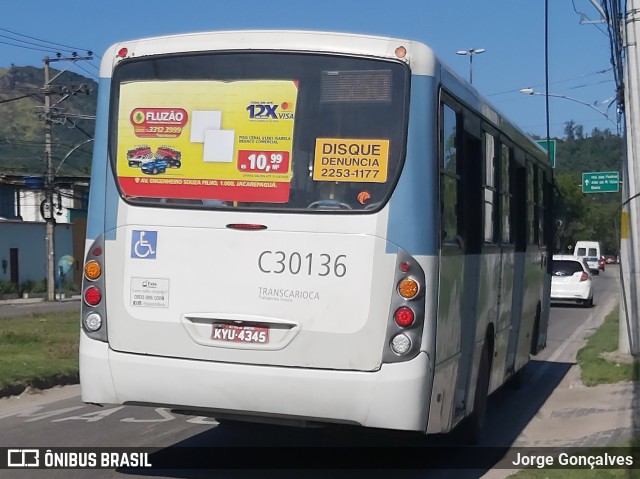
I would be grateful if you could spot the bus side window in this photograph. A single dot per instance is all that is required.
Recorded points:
(450, 178)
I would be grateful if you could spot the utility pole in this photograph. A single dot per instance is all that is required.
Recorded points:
(48, 187)
(47, 207)
(629, 338)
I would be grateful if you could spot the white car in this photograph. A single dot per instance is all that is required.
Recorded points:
(571, 280)
(139, 160)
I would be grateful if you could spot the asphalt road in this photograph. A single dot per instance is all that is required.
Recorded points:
(57, 418)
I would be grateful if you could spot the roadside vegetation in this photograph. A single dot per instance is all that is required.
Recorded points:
(580, 216)
(39, 351)
(599, 361)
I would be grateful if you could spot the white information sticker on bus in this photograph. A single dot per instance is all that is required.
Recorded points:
(150, 292)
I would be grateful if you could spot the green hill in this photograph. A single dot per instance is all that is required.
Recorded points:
(22, 139)
(586, 216)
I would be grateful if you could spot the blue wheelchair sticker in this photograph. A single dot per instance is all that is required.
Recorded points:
(144, 244)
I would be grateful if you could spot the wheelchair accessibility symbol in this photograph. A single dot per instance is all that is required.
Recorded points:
(143, 244)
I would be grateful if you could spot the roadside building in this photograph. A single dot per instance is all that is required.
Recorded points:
(23, 241)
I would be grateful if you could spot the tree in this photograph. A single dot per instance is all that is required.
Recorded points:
(583, 216)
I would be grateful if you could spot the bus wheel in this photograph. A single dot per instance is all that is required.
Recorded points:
(470, 429)
(535, 333)
(516, 380)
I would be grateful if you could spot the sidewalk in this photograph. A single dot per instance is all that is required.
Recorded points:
(579, 416)
(575, 415)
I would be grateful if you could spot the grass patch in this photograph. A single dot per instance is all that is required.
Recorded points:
(577, 474)
(598, 359)
(38, 347)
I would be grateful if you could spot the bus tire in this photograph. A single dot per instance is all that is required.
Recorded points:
(516, 380)
(470, 430)
(535, 333)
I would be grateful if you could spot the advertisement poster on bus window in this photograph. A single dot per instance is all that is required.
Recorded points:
(207, 140)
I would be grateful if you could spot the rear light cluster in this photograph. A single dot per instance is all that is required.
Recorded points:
(404, 331)
(93, 310)
(584, 276)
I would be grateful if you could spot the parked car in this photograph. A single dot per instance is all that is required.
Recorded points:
(601, 263)
(154, 167)
(571, 280)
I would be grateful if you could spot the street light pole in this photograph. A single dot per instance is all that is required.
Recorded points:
(531, 91)
(471, 52)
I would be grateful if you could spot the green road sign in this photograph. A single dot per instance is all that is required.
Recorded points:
(601, 182)
(550, 146)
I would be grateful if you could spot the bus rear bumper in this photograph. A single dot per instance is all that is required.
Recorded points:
(96, 384)
(395, 397)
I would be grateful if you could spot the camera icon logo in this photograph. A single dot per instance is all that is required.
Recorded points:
(23, 458)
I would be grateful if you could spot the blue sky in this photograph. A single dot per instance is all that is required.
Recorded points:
(511, 31)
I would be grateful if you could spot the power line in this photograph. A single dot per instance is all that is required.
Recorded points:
(599, 72)
(86, 71)
(46, 46)
(44, 41)
(31, 43)
(28, 48)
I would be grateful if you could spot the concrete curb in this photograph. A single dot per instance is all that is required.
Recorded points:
(22, 301)
(75, 297)
(16, 389)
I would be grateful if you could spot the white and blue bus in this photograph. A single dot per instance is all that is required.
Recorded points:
(326, 228)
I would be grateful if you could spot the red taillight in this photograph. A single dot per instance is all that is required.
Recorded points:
(404, 316)
(122, 52)
(584, 276)
(405, 266)
(246, 226)
(92, 296)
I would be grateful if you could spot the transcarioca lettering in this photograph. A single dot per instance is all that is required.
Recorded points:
(287, 293)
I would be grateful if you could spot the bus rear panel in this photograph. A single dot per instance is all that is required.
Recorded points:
(259, 277)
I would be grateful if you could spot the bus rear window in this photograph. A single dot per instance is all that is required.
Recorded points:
(283, 131)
